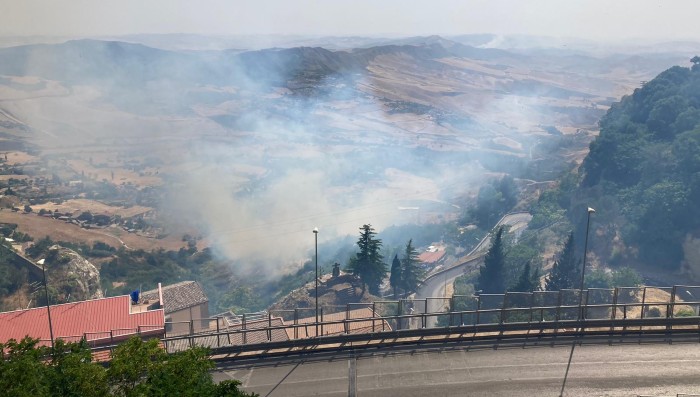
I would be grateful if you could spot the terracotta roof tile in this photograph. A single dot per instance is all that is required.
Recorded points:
(72, 320)
(178, 296)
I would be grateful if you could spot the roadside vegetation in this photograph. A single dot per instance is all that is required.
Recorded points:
(136, 369)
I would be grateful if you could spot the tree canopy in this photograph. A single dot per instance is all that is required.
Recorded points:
(565, 272)
(411, 273)
(368, 264)
(395, 278)
(645, 166)
(137, 369)
(491, 280)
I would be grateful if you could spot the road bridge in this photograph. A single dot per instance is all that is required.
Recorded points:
(627, 367)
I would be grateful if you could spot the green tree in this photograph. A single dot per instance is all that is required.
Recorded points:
(491, 273)
(494, 200)
(411, 273)
(73, 372)
(22, 372)
(529, 280)
(626, 277)
(141, 368)
(368, 264)
(564, 274)
(395, 278)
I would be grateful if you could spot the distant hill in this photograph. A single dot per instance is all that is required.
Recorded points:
(89, 61)
(94, 61)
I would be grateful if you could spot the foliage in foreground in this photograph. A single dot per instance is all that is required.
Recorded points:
(137, 368)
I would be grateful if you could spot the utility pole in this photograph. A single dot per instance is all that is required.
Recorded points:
(580, 302)
(48, 304)
(316, 249)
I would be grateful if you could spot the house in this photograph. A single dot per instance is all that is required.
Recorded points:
(185, 304)
(432, 255)
(99, 321)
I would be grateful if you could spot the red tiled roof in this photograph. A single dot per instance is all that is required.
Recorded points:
(71, 320)
(431, 257)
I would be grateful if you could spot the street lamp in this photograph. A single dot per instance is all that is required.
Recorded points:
(580, 301)
(583, 268)
(316, 249)
(48, 304)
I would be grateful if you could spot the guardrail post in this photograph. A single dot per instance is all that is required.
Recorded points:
(398, 314)
(111, 341)
(218, 337)
(189, 336)
(374, 313)
(269, 325)
(644, 299)
(321, 321)
(558, 306)
(478, 308)
(584, 311)
(296, 323)
(452, 308)
(424, 319)
(532, 304)
(673, 302)
(503, 309)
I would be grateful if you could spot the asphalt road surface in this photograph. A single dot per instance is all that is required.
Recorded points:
(596, 370)
(435, 286)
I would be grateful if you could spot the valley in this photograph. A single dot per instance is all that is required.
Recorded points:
(240, 154)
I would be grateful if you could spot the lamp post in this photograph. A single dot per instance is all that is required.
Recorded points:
(583, 268)
(316, 250)
(48, 304)
(580, 301)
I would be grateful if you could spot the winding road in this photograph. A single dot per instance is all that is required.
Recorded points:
(435, 284)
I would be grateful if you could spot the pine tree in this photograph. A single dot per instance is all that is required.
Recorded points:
(410, 272)
(565, 272)
(491, 273)
(368, 263)
(395, 277)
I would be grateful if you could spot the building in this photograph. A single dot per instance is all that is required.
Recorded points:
(99, 321)
(432, 256)
(185, 305)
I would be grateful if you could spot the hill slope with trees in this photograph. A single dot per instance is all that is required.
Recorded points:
(643, 172)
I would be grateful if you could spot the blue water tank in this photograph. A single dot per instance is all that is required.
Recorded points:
(134, 296)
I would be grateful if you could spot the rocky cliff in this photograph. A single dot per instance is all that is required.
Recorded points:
(70, 276)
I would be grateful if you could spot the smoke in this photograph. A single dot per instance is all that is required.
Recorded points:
(258, 197)
(256, 155)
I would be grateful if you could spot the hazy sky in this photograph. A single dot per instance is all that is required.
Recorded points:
(595, 19)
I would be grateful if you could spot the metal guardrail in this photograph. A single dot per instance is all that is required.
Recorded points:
(617, 310)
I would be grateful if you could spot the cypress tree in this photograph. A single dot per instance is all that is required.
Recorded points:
(410, 272)
(565, 272)
(528, 281)
(395, 277)
(368, 264)
(491, 273)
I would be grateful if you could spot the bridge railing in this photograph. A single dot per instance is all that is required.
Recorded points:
(541, 310)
